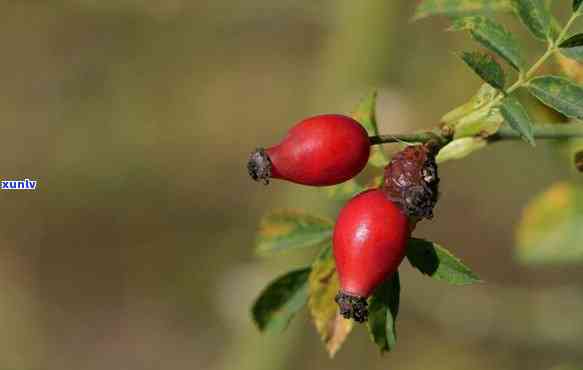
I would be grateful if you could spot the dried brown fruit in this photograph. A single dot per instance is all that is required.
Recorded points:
(411, 181)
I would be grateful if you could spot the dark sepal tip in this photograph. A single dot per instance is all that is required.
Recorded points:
(259, 166)
(352, 307)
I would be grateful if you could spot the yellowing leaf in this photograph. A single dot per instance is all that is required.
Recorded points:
(287, 229)
(559, 93)
(551, 229)
(323, 286)
(572, 68)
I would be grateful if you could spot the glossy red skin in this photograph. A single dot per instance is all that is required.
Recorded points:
(370, 238)
(320, 151)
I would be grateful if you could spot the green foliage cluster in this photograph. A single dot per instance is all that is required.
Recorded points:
(552, 227)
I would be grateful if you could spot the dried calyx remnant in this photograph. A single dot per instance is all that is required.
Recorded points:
(352, 307)
(259, 166)
(411, 180)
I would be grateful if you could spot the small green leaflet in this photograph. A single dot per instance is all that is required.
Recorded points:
(281, 300)
(551, 227)
(383, 310)
(366, 114)
(573, 47)
(485, 95)
(559, 93)
(483, 122)
(287, 229)
(492, 36)
(486, 67)
(516, 116)
(437, 262)
(428, 8)
(460, 148)
(535, 16)
(577, 5)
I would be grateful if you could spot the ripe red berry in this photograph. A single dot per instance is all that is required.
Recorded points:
(319, 151)
(370, 238)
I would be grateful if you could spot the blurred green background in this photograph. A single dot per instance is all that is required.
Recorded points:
(136, 250)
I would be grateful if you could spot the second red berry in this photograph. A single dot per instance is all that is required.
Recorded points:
(369, 242)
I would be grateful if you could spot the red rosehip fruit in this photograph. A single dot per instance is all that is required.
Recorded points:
(319, 151)
(369, 242)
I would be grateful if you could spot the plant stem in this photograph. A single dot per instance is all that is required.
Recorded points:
(563, 32)
(552, 47)
(551, 132)
(418, 137)
(540, 132)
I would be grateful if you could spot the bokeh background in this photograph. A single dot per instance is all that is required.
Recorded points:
(136, 250)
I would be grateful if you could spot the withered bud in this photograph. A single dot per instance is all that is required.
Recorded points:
(411, 181)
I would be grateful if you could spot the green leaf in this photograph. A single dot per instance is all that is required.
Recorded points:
(516, 116)
(324, 285)
(556, 26)
(535, 16)
(287, 229)
(493, 37)
(559, 93)
(460, 148)
(435, 261)
(486, 67)
(577, 5)
(382, 316)
(281, 300)
(459, 7)
(366, 114)
(573, 47)
(346, 190)
(551, 228)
